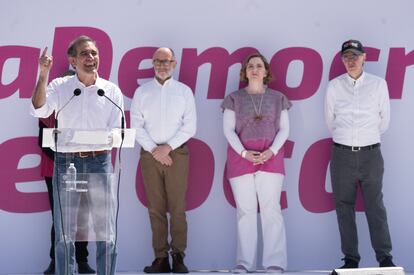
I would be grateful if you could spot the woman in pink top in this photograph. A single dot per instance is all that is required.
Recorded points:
(256, 125)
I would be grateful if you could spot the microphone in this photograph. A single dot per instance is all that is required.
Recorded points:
(76, 92)
(101, 92)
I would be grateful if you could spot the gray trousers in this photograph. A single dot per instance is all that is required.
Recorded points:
(347, 169)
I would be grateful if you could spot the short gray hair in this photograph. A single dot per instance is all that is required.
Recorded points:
(75, 43)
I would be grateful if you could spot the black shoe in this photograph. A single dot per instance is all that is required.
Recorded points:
(159, 265)
(84, 268)
(387, 262)
(51, 268)
(349, 264)
(178, 264)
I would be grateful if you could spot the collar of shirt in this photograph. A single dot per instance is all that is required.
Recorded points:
(166, 83)
(355, 82)
(98, 83)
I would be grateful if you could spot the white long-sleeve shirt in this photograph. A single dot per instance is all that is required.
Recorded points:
(88, 111)
(163, 114)
(357, 112)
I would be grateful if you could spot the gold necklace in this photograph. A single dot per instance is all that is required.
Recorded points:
(258, 111)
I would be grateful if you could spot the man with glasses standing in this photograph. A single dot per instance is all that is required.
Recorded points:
(357, 112)
(164, 114)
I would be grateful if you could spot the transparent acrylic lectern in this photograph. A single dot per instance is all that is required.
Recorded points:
(87, 188)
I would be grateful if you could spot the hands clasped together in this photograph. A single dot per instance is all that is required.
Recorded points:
(257, 157)
(161, 154)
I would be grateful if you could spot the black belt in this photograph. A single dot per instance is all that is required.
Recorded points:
(89, 153)
(357, 148)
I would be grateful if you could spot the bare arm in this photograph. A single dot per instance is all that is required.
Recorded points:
(39, 93)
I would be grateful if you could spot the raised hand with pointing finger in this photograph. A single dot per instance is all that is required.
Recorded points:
(45, 62)
(39, 94)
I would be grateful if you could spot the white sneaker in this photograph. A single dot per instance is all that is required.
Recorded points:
(239, 269)
(274, 269)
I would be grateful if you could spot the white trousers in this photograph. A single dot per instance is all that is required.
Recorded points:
(265, 188)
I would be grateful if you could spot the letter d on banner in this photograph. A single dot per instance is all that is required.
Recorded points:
(65, 35)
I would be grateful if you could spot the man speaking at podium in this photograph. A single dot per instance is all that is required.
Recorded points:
(78, 106)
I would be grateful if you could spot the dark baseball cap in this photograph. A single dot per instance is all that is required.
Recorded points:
(352, 46)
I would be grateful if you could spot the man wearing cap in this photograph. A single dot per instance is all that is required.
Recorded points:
(357, 112)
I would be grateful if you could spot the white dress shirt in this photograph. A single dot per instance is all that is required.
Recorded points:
(357, 112)
(87, 111)
(163, 114)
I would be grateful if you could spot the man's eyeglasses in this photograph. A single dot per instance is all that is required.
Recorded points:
(159, 62)
(350, 57)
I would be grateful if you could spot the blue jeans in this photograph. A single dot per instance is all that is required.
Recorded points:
(105, 254)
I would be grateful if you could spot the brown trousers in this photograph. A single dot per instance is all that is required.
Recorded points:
(166, 188)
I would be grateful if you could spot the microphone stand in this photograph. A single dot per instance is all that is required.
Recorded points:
(76, 92)
(101, 92)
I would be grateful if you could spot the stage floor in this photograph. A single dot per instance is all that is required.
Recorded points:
(224, 272)
(286, 273)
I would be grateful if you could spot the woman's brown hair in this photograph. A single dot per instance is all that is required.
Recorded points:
(266, 79)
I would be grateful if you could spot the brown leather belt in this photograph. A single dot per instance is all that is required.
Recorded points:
(89, 153)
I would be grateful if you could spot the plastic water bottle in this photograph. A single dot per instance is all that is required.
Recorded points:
(71, 177)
